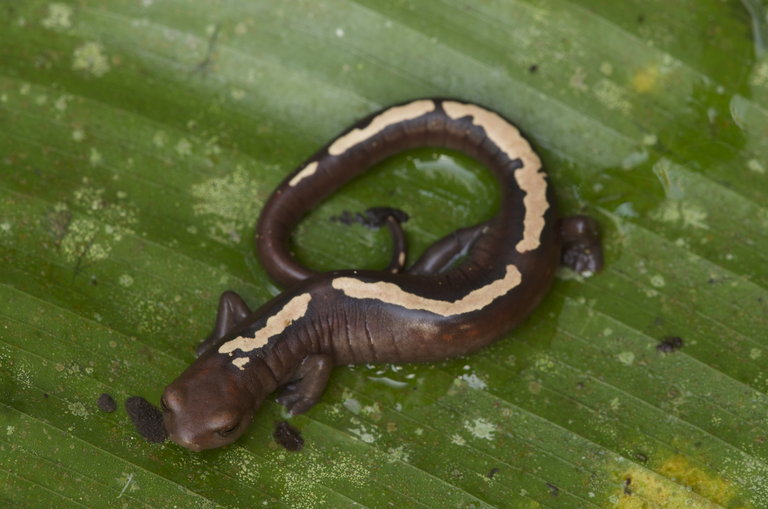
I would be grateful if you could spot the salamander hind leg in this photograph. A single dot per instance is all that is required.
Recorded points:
(582, 247)
(444, 253)
(308, 384)
(232, 310)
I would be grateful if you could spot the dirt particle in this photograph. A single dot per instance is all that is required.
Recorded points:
(288, 436)
(553, 490)
(374, 217)
(106, 403)
(492, 473)
(670, 344)
(147, 419)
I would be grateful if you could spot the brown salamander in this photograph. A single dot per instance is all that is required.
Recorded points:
(433, 310)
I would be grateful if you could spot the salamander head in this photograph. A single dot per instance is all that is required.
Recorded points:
(208, 406)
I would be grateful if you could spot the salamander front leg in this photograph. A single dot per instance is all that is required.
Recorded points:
(582, 249)
(232, 310)
(307, 385)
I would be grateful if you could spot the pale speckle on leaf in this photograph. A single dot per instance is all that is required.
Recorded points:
(184, 147)
(61, 103)
(756, 166)
(457, 439)
(481, 428)
(78, 409)
(627, 358)
(612, 96)
(160, 138)
(230, 203)
(473, 381)
(59, 17)
(352, 405)
(399, 453)
(364, 434)
(577, 80)
(95, 157)
(650, 139)
(91, 59)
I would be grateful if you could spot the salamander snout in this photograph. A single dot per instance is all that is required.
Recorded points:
(203, 418)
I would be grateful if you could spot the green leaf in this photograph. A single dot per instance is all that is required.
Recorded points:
(141, 138)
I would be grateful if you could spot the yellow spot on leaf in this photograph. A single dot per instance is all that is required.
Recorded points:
(678, 483)
(645, 79)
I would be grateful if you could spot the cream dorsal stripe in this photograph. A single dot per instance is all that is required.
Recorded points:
(276, 324)
(307, 171)
(391, 293)
(380, 122)
(530, 179)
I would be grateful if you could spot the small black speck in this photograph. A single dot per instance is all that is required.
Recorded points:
(493, 472)
(627, 489)
(532, 69)
(642, 458)
(670, 344)
(146, 418)
(45, 394)
(641, 19)
(374, 217)
(107, 403)
(288, 436)
(553, 490)
(346, 217)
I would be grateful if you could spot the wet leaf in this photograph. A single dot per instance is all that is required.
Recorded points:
(140, 139)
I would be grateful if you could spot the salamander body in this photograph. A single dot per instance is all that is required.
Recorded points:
(435, 309)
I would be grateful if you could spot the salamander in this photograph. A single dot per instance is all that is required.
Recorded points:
(467, 290)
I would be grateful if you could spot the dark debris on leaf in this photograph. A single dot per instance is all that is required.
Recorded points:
(106, 403)
(670, 344)
(288, 436)
(374, 217)
(147, 419)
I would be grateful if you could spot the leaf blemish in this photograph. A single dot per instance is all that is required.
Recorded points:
(91, 59)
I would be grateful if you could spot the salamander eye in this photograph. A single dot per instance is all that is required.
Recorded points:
(228, 431)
